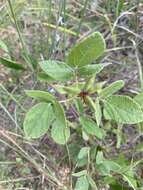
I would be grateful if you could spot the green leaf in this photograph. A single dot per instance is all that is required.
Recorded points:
(3, 46)
(90, 69)
(91, 103)
(79, 174)
(59, 89)
(96, 108)
(44, 77)
(38, 120)
(82, 162)
(122, 109)
(98, 87)
(91, 127)
(111, 165)
(98, 112)
(57, 70)
(59, 134)
(85, 136)
(99, 157)
(88, 50)
(40, 95)
(128, 176)
(112, 88)
(139, 99)
(89, 84)
(82, 183)
(11, 64)
(103, 170)
(105, 167)
(118, 187)
(127, 171)
(83, 152)
(92, 182)
(132, 182)
(60, 131)
(72, 90)
(79, 106)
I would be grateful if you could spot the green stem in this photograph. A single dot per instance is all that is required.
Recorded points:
(27, 59)
(82, 16)
(64, 16)
(12, 97)
(140, 70)
(49, 21)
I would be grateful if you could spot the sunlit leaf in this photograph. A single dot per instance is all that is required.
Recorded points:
(122, 109)
(59, 134)
(98, 112)
(90, 69)
(139, 99)
(112, 88)
(44, 77)
(81, 173)
(82, 183)
(86, 51)
(83, 152)
(60, 131)
(40, 95)
(92, 182)
(38, 120)
(57, 70)
(91, 127)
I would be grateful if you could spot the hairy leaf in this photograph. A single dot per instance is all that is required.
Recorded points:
(57, 70)
(107, 166)
(83, 152)
(91, 127)
(44, 77)
(81, 173)
(92, 182)
(40, 95)
(112, 88)
(88, 50)
(90, 69)
(98, 112)
(139, 99)
(82, 183)
(72, 90)
(60, 131)
(122, 109)
(59, 134)
(38, 120)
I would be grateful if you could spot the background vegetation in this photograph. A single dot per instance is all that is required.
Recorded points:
(36, 30)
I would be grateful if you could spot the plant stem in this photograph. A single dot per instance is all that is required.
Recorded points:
(82, 16)
(27, 59)
(12, 97)
(36, 165)
(49, 21)
(140, 70)
(64, 16)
